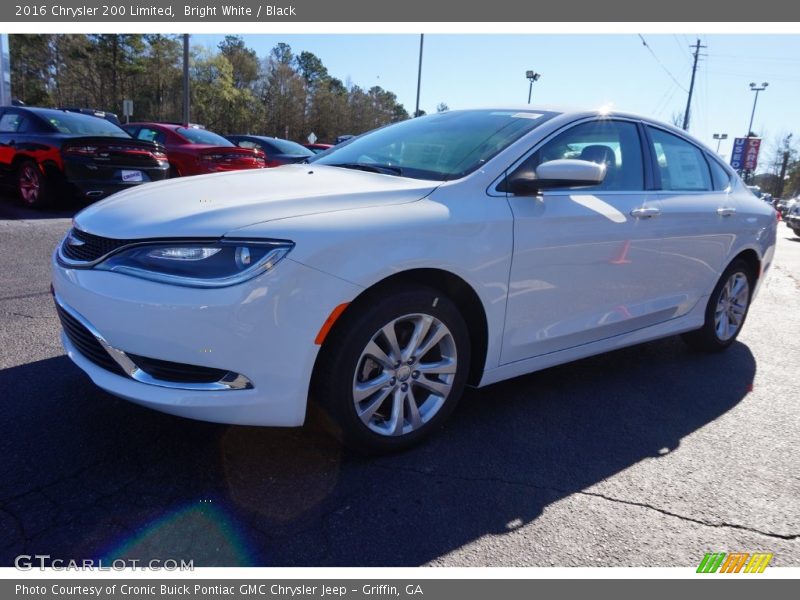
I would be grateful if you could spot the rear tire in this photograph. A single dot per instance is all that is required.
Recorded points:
(32, 186)
(726, 311)
(393, 369)
(796, 232)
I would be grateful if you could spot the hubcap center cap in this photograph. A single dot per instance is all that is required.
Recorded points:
(403, 373)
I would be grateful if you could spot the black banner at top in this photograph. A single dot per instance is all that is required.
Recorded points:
(301, 11)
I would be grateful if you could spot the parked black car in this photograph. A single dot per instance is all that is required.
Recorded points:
(46, 154)
(94, 112)
(277, 151)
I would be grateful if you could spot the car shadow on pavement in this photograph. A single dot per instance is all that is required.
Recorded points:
(90, 476)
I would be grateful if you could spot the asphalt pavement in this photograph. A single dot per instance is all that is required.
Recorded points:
(649, 456)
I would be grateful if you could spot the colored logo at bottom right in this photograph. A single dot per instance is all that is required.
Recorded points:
(734, 562)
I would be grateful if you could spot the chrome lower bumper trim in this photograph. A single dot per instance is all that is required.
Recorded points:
(230, 381)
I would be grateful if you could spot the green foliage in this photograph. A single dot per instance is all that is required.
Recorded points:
(232, 90)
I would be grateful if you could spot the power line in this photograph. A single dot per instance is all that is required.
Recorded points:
(666, 70)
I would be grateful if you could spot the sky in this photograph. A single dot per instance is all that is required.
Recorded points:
(579, 70)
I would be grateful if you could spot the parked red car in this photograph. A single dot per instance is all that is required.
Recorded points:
(317, 148)
(196, 151)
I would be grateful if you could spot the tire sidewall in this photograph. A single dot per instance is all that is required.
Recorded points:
(354, 331)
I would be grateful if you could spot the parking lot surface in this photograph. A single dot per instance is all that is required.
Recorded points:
(649, 456)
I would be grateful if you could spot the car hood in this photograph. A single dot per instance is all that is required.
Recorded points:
(214, 205)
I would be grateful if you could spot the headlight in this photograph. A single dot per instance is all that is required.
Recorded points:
(199, 264)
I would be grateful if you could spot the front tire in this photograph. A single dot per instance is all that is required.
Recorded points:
(726, 310)
(393, 369)
(32, 186)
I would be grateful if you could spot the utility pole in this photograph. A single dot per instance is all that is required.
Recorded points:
(697, 47)
(419, 72)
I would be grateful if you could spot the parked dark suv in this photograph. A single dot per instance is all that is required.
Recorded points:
(46, 154)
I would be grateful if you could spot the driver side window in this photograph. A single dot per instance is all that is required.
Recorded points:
(613, 143)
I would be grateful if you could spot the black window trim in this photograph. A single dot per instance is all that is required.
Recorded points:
(493, 187)
(711, 158)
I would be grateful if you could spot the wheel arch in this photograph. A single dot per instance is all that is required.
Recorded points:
(753, 260)
(455, 288)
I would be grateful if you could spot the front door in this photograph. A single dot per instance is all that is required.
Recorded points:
(586, 261)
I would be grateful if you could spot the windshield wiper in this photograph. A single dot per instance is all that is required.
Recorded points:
(370, 167)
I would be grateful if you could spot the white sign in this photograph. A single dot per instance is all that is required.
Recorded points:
(312, 138)
(127, 108)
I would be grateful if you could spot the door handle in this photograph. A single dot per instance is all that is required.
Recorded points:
(726, 211)
(645, 212)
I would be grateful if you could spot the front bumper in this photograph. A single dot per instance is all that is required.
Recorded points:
(263, 330)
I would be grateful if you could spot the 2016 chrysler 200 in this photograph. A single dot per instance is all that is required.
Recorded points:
(460, 248)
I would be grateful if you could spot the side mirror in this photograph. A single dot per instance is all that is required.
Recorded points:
(562, 173)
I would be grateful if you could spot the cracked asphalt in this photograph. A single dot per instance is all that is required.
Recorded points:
(649, 456)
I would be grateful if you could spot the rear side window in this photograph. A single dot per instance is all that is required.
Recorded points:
(11, 123)
(682, 166)
(719, 176)
(151, 135)
(248, 144)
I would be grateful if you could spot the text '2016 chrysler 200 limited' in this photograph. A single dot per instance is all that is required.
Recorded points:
(460, 248)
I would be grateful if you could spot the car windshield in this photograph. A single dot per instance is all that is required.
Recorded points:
(78, 124)
(201, 136)
(290, 147)
(443, 146)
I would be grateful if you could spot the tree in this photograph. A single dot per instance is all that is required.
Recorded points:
(30, 71)
(311, 69)
(442, 107)
(244, 61)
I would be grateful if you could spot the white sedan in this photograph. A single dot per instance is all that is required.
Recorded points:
(461, 248)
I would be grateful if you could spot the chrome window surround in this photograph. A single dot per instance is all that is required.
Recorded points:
(231, 380)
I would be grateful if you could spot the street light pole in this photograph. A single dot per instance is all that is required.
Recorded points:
(756, 89)
(719, 137)
(532, 76)
(186, 97)
(753, 88)
(419, 72)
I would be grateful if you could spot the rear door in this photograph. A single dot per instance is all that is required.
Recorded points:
(698, 213)
(586, 262)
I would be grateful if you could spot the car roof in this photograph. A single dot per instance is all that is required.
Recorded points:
(51, 112)
(566, 114)
(172, 126)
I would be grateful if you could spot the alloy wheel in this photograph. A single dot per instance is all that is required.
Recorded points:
(30, 184)
(732, 306)
(404, 374)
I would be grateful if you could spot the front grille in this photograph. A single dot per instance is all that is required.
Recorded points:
(86, 343)
(177, 372)
(93, 246)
